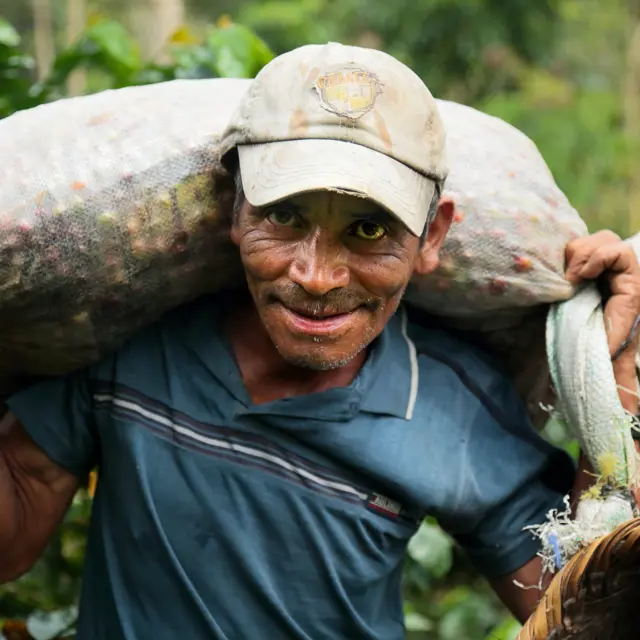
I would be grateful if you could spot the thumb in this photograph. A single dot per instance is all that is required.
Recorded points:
(621, 323)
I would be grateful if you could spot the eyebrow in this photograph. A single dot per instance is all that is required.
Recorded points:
(378, 214)
(289, 205)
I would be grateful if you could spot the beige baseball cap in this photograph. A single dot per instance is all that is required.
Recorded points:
(342, 118)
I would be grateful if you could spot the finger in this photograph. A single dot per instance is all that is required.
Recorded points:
(619, 317)
(618, 258)
(636, 495)
(579, 250)
(626, 283)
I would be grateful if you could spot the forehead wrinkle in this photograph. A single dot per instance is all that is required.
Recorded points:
(350, 203)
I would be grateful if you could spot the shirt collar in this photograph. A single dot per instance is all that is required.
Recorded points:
(387, 384)
(394, 387)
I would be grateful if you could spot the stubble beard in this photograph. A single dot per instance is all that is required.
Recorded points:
(317, 363)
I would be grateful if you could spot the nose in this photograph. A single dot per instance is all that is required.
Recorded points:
(320, 264)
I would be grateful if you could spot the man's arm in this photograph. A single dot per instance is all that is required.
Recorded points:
(35, 493)
(519, 590)
(522, 602)
(600, 254)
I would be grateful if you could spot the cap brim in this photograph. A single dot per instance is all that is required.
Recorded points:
(274, 171)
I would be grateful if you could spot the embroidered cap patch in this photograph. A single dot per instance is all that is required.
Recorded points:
(349, 92)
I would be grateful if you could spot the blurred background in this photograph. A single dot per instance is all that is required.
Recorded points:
(566, 72)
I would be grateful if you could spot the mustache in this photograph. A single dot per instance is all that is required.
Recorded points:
(334, 302)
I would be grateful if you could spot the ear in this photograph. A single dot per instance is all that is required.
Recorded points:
(234, 232)
(429, 256)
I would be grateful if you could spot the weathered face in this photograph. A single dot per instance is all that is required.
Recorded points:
(327, 271)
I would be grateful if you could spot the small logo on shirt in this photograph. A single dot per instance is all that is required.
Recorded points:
(385, 505)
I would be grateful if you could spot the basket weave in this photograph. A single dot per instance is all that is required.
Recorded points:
(596, 595)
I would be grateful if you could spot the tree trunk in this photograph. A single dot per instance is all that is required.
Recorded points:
(76, 20)
(43, 37)
(154, 22)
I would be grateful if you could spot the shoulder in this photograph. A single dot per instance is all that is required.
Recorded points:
(472, 374)
(466, 398)
(466, 390)
(173, 339)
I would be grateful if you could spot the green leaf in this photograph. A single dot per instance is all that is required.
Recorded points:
(417, 622)
(16, 69)
(105, 45)
(194, 62)
(9, 37)
(466, 615)
(49, 625)
(507, 630)
(228, 66)
(414, 621)
(239, 52)
(432, 549)
(114, 42)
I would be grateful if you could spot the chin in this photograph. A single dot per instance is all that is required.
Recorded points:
(317, 359)
(319, 352)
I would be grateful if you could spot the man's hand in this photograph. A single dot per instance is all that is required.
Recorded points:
(602, 254)
(605, 254)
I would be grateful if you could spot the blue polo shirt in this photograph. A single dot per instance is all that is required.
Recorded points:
(216, 518)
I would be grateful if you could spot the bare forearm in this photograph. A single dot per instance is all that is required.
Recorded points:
(522, 602)
(8, 516)
(12, 552)
(34, 495)
(627, 380)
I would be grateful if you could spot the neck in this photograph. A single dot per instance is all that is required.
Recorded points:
(266, 374)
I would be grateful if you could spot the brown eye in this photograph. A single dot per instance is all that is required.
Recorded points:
(282, 218)
(369, 230)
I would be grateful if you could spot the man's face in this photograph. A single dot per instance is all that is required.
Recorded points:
(327, 271)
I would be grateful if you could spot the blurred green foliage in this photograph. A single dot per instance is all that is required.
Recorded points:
(554, 68)
(443, 41)
(15, 71)
(108, 50)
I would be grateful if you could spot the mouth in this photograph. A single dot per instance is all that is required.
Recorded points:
(321, 322)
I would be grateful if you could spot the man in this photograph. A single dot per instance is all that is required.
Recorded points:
(266, 456)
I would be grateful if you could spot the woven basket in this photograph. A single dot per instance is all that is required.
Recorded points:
(596, 596)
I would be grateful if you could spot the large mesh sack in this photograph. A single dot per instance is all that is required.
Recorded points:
(109, 217)
(505, 251)
(503, 260)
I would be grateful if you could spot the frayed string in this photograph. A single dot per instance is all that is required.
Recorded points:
(561, 536)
